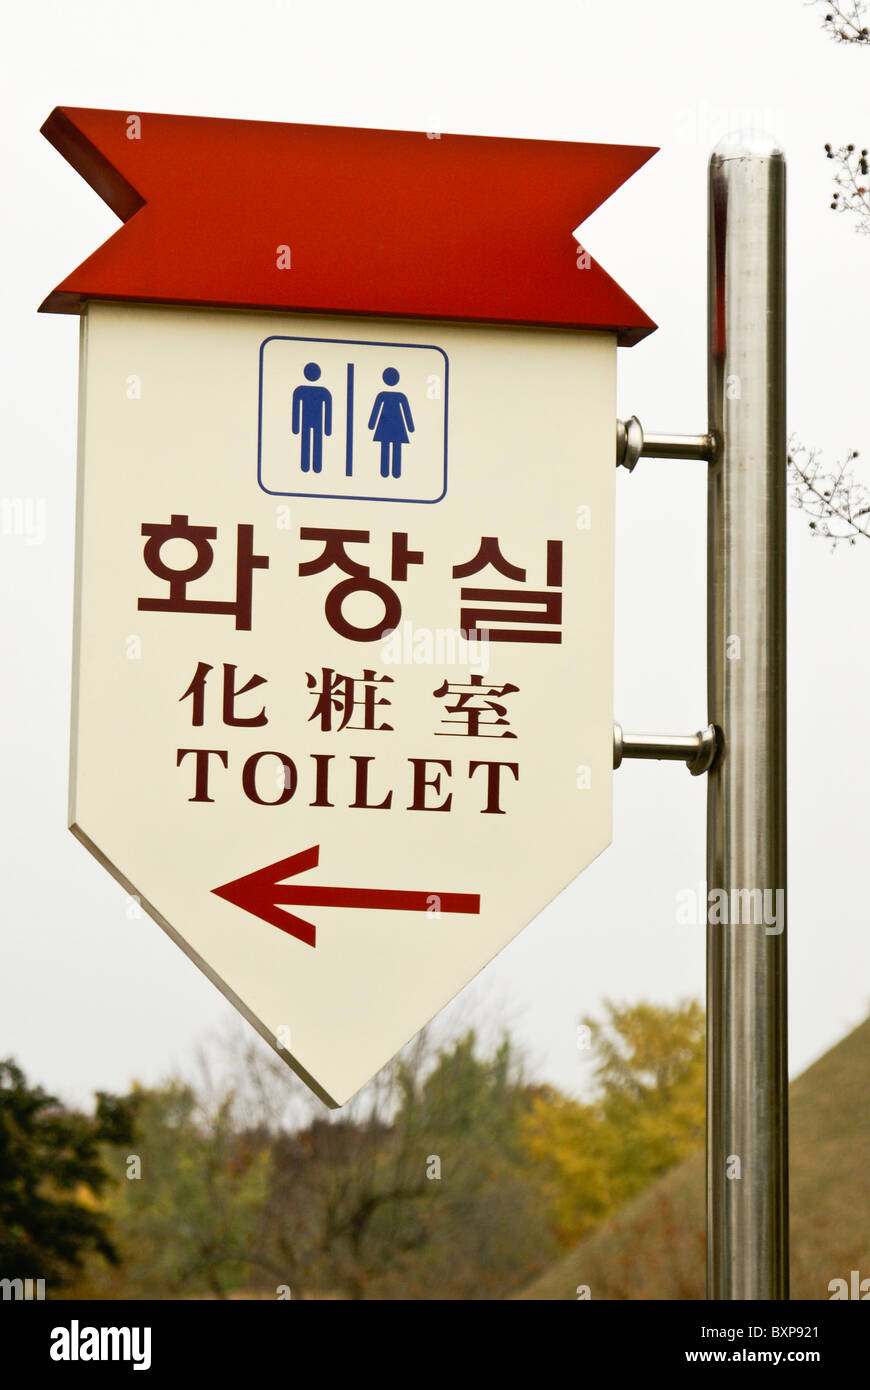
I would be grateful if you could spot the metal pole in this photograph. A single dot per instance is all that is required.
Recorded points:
(747, 1155)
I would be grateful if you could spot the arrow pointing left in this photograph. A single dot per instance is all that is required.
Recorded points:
(261, 892)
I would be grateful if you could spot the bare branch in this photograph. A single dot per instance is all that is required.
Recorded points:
(852, 183)
(837, 505)
(846, 22)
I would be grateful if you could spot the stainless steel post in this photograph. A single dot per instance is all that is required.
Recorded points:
(747, 1155)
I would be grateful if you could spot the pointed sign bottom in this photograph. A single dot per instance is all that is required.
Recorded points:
(262, 891)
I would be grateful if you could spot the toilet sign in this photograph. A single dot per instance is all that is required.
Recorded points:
(342, 710)
(352, 395)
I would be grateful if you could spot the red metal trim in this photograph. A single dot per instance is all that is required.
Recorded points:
(379, 223)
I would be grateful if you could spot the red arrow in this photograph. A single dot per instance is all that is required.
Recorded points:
(262, 891)
(382, 222)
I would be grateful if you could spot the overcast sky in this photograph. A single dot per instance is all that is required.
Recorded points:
(89, 998)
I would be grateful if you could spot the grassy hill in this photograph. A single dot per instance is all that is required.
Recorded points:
(655, 1247)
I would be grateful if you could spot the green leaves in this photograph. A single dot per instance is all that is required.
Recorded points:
(647, 1113)
(52, 1172)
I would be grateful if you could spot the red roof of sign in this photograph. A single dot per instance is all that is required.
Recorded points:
(378, 222)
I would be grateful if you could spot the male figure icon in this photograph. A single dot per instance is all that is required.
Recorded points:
(311, 417)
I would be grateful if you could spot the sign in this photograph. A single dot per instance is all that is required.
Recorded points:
(336, 425)
(344, 608)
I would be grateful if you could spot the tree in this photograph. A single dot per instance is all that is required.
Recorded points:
(486, 1213)
(449, 1176)
(837, 504)
(647, 1113)
(421, 1188)
(52, 1175)
(193, 1196)
(330, 1177)
(845, 23)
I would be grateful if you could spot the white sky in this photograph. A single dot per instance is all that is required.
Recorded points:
(90, 999)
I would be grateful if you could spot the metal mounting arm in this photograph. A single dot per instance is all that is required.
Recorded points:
(632, 444)
(698, 751)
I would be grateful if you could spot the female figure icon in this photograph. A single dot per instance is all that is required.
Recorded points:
(391, 421)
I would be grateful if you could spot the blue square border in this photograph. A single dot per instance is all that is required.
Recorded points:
(346, 496)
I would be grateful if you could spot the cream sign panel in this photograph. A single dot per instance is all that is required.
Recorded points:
(343, 668)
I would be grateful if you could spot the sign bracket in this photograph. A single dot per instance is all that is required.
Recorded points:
(698, 751)
(632, 444)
